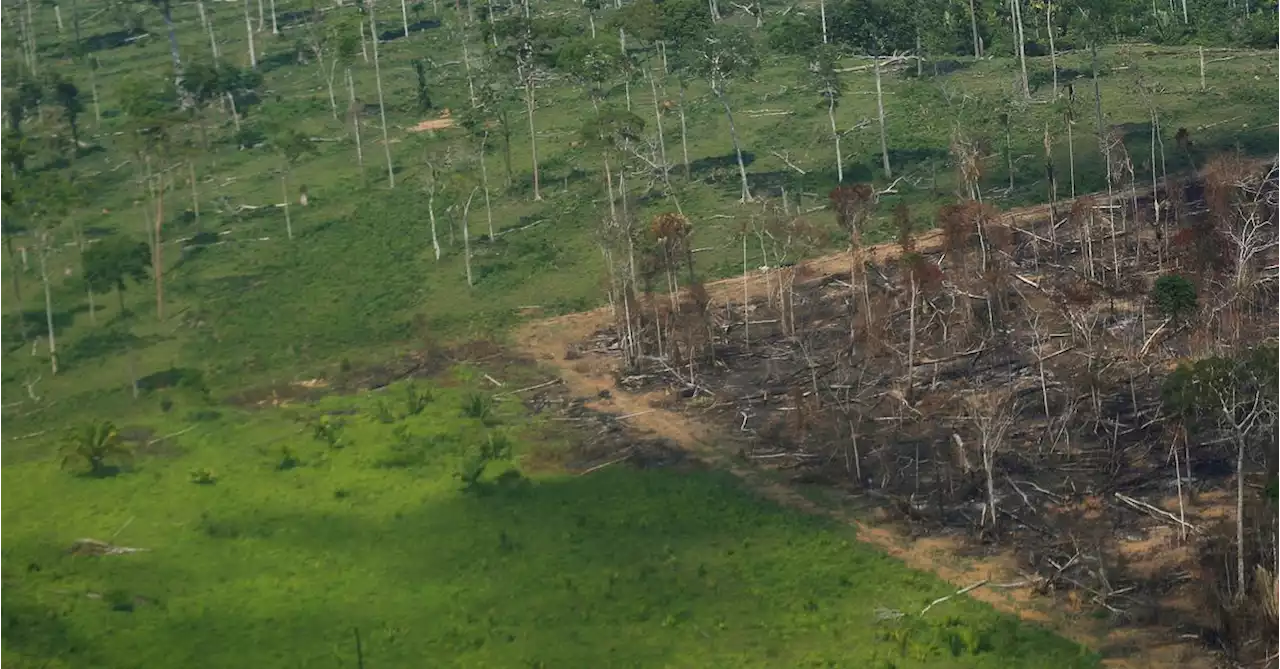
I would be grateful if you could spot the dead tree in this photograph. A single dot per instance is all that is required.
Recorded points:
(991, 414)
(1248, 414)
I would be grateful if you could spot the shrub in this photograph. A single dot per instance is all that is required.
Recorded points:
(1174, 295)
(96, 445)
(329, 431)
(495, 447)
(415, 400)
(478, 406)
(203, 477)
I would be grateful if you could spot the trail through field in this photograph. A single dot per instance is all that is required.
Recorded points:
(589, 373)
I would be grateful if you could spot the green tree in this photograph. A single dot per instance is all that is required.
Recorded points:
(1174, 295)
(94, 445)
(112, 262)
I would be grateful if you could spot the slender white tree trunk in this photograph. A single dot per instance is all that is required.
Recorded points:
(530, 104)
(884, 137)
(484, 182)
(1200, 50)
(382, 109)
(684, 134)
(404, 16)
(973, 24)
(835, 136)
(275, 26)
(262, 20)
(1022, 51)
(248, 29)
(1053, 52)
(657, 120)
(822, 11)
(48, 303)
(355, 119)
(431, 214)
(208, 27)
(737, 147)
(466, 236)
(284, 190)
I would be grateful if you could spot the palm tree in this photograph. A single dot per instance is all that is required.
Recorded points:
(94, 444)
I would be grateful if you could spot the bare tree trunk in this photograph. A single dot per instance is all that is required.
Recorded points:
(911, 336)
(248, 29)
(431, 212)
(262, 20)
(822, 11)
(884, 137)
(973, 24)
(684, 134)
(533, 136)
(1071, 157)
(355, 119)
(737, 148)
(158, 250)
(657, 121)
(1053, 53)
(404, 16)
(382, 109)
(466, 236)
(1022, 52)
(364, 49)
(284, 190)
(466, 62)
(484, 181)
(208, 26)
(1097, 90)
(48, 303)
(1239, 516)
(329, 75)
(835, 136)
(1200, 50)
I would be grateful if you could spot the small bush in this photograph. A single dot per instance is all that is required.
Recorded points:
(203, 477)
(1174, 295)
(329, 431)
(382, 413)
(478, 406)
(495, 447)
(288, 459)
(415, 400)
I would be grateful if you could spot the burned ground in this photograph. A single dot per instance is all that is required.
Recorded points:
(1032, 341)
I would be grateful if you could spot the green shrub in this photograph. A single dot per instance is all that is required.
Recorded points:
(478, 406)
(203, 476)
(415, 400)
(329, 431)
(96, 445)
(1174, 295)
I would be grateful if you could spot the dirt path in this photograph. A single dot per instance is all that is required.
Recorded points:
(585, 376)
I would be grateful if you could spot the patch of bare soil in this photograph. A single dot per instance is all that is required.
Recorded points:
(1050, 350)
(444, 121)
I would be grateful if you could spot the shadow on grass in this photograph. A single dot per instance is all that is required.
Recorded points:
(660, 562)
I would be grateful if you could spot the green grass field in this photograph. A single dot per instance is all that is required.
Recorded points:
(626, 568)
(276, 568)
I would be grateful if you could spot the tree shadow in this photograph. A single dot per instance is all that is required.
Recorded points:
(712, 166)
(415, 27)
(106, 41)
